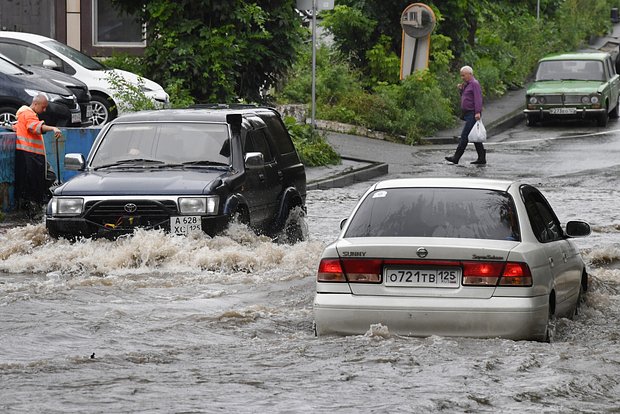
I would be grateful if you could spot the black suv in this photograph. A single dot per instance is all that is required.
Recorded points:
(183, 170)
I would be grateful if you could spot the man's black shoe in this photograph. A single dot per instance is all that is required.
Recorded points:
(479, 162)
(452, 160)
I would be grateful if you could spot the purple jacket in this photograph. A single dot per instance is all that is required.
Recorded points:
(471, 97)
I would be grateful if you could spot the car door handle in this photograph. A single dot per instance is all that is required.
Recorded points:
(551, 261)
(280, 175)
(565, 257)
(261, 177)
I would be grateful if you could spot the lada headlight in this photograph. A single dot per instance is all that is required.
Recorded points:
(585, 99)
(533, 100)
(67, 206)
(594, 99)
(199, 205)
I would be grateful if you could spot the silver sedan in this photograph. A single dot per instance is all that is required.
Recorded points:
(451, 257)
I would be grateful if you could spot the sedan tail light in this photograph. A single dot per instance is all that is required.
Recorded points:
(350, 270)
(496, 274)
(474, 273)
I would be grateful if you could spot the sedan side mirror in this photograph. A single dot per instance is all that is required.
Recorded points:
(74, 162)
(342, 223)
(254, 160)
(577, 229)
(49, 64)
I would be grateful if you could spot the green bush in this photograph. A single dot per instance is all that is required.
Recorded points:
(312, 147)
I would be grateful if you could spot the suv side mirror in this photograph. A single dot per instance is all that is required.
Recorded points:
(254, 160)
(49, 64)
(577, 229)
(74, 162)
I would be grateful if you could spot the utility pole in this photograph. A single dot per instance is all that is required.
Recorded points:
(314, 6)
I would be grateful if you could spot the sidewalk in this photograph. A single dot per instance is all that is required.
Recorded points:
(367, 158)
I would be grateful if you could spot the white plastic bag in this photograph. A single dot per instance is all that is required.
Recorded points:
(478, 133)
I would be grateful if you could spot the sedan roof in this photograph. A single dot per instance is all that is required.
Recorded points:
(577, 56)
(447, 182)
(189, 114)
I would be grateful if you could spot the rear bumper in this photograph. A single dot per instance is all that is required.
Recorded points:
(505, 317)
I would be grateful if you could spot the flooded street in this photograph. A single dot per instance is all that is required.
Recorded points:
(161, 323)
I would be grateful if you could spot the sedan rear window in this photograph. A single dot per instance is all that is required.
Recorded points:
(436, 212)
(165, 142)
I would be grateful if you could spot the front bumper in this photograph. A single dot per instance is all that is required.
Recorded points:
(580, 113)
(75, 227)
(506, 317)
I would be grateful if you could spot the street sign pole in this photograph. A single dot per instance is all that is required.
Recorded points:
(313, 63)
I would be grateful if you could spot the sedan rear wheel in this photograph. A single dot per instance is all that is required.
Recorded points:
(103, 110)
(550, 329)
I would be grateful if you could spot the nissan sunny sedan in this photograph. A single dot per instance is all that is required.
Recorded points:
(451, 257)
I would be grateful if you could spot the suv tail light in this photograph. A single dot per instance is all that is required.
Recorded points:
(350, 270)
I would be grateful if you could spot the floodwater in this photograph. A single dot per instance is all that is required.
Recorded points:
(158, 323)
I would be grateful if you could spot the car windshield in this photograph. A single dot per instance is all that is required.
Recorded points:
(74, 55)
(436, 212)
(153, 143)
(8, 68)
(587, 70)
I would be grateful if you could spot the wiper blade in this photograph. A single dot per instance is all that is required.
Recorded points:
(130, 161)
(203, 163)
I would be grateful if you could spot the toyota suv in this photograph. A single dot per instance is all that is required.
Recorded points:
(183, 170)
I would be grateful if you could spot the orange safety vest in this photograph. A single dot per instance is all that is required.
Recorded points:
(29, 134)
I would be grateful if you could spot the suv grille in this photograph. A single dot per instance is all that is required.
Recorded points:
(147, 212)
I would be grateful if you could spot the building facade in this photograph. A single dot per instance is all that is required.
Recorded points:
(93, 26)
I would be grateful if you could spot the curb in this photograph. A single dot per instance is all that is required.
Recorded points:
(372, 170)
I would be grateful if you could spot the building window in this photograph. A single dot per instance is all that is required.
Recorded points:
(112, 27)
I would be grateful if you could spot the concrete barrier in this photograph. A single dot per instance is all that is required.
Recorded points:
(73, 140)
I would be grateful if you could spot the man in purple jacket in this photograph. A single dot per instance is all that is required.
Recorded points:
(471, 108)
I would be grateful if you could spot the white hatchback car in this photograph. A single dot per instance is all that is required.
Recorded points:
(451, 257)
(29, 49)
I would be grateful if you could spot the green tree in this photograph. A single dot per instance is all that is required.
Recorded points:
(219, 50)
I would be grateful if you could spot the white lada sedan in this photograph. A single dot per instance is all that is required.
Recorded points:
(451, 257)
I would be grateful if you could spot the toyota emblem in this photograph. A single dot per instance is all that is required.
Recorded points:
(421, 252)
(130, 207)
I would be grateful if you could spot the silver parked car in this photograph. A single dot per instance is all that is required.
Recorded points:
(451, 257)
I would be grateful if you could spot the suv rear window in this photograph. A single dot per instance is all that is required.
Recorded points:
(278, 133)
(436, 212)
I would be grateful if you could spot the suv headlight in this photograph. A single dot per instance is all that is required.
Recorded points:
(67, 206)
(199, 205)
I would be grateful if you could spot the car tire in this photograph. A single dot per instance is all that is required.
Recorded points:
(551, 325)
(603, 119)
(531, 120)
(295, 228)
(7, 115)
(104, 110)
(615, 112)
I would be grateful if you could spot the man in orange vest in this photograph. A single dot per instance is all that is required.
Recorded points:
(30, 163)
